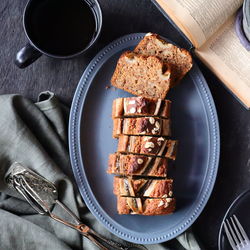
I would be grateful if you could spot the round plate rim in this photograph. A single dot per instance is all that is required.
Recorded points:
(77, 163)
(238, 198)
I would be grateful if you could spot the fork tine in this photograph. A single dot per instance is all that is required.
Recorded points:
(241, 228)
(236, 240)
(230, 239)
(237, 231)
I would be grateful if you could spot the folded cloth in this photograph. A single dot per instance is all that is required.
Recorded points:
(36, 136)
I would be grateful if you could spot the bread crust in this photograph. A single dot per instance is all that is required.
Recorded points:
(140, 75)
(153, 126)
(140, 106)
(156, 206)
(137, 165)
(148, 145)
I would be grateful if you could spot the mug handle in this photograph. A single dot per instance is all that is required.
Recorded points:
(26, 56)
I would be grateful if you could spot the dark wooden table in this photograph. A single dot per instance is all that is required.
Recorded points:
(123, 17)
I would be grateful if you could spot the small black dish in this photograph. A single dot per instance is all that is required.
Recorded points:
(241, 208)
(59, 28)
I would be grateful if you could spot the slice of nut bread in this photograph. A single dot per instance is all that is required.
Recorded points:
(137, 165)
(141, 126)
(146, 76)
(140, 106)
(145, 206)
(179, 59)
(148, 145)
(142, 187)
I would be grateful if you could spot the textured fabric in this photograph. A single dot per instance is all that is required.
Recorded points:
(36, 136)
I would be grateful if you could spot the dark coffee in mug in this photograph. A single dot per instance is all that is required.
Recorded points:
(60, 27)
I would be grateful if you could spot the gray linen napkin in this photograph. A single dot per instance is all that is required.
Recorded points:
(36, 136)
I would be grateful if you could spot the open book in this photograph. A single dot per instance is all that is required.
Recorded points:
(210, 27)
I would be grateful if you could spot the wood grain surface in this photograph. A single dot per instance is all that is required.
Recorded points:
(61, 76)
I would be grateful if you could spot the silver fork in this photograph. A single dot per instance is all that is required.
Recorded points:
(236, 235)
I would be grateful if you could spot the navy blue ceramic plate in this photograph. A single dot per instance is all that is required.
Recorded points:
(240, 207)
(195, 125)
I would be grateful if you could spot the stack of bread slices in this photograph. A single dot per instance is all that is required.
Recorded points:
(142, 126)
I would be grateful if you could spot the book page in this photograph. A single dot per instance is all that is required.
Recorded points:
(229, 60)
(199, 19)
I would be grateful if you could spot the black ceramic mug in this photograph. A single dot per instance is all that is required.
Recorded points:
(59, 28)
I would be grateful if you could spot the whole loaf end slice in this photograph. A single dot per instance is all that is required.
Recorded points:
(180, 59)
